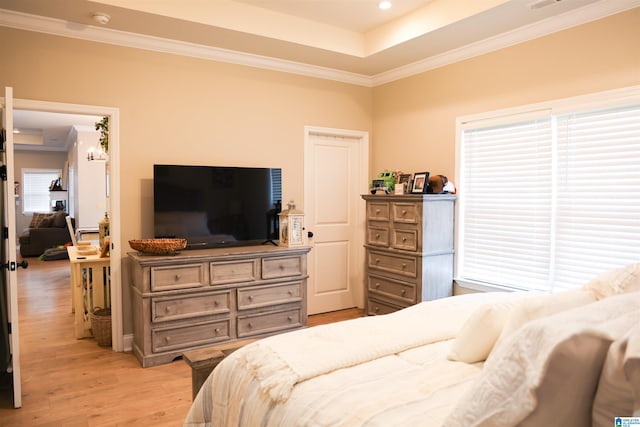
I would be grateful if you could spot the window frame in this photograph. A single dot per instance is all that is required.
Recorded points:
(23, 187)
(551, 109)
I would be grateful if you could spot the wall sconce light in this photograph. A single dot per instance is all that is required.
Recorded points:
(96, 154)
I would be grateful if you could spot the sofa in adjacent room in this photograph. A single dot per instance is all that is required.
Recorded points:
(46, 230)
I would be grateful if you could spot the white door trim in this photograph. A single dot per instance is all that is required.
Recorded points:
(362, 178)
(114, 199)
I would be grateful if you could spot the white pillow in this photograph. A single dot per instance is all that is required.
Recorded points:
(480, 332)
(614, 397)
(547, 373)
(616, 281)
(540, 306)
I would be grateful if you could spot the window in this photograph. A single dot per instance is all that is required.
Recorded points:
(550, 197)
(35, 189)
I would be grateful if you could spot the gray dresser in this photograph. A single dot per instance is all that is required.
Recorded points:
(201, 297)
(409, 250)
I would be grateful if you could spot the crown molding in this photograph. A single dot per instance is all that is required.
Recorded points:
(588, 13)
(59, 27)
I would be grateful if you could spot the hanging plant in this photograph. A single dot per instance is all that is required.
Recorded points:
(103, 127)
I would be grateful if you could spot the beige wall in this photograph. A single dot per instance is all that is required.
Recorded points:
(181, 110)
(414, 118)
(190, 111)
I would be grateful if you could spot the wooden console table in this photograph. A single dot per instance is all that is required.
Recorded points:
(90, 288)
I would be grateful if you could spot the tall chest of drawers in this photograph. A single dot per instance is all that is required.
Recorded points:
(409, 250)
(203, 297)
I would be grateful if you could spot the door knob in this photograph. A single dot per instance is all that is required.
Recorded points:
(309, 234)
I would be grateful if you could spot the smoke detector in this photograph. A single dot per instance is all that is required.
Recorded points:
(101, 18)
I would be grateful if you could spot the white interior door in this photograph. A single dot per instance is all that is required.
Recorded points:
(336, 173)
(9, 264)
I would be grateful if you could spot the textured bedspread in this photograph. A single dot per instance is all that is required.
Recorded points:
(374, 371)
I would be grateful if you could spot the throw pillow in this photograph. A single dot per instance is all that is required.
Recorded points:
(37, 219)
(632, 368)
(59, 220)
(614, 396)
(616, 281)
(540, 306)
(547, 373)
(480, 332)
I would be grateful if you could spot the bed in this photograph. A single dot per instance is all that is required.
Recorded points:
(485, 359)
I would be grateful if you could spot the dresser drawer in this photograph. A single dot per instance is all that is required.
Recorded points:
(164, 309)
(405, 292)
(375, 307)
(404, 239)
(192, 334)
(273, 268)
(408, 213)
(397, 264)
(232, 272)
(260, 296)
(378, 236)
(273, 321)
(177, 277)
(378, 211)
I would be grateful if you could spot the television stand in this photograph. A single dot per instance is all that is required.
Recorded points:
(196, 299)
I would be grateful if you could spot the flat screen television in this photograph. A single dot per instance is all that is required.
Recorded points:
(215, 206)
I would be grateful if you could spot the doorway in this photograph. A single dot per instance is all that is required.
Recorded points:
(113, 205)
(335, 176)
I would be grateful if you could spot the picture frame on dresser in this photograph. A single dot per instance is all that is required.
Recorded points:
(420, 182)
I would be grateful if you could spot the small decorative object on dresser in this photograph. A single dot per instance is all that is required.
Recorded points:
(409, 250)
(291, 226)
(420, 182)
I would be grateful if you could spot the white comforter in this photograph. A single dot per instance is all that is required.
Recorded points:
(373, 371)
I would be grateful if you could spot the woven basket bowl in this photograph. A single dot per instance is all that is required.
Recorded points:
(158, 246)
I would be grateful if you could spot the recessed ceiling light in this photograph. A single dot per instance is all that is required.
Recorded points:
(384, 5)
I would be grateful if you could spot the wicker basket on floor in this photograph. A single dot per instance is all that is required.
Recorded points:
(101, 325)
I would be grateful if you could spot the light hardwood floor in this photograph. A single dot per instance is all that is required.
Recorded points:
(70, 382)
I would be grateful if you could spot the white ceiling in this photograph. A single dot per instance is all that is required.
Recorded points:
(344, 40)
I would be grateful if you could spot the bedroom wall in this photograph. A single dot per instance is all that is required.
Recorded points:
(418, 114)
(181, 110)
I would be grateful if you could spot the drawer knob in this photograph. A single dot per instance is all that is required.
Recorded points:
(404, 212)
(377, 236)
(404, 266)
(216, 303)
(404, 292)
(377, 285)
(377, 260)
(217, 330)
(404, 239)
(250, 298)
(167, 309)
(376, 309)
(167, 339)
(289, 318)
(281, 267)
(249, 325)
(377, 211)
(290, 292)
(177, 277)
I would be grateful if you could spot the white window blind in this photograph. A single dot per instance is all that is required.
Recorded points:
(35, 189)
(546, 204)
